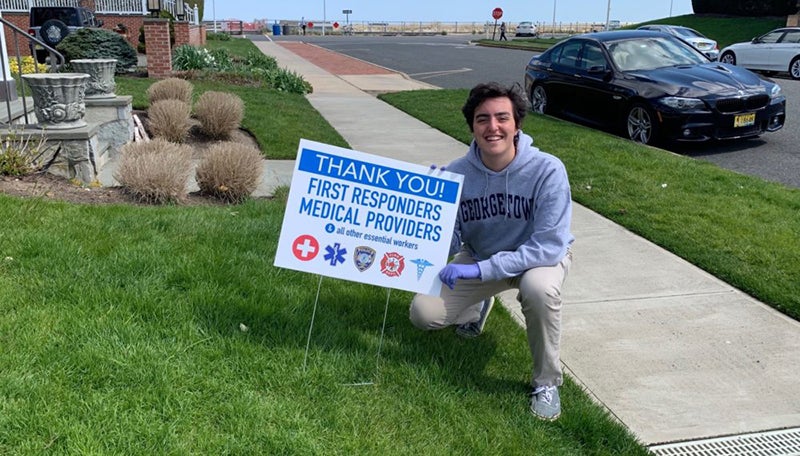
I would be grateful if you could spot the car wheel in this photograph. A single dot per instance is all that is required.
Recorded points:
(53, 31)
(794, 68)
(728, 57)
(640, 125)
(539, 99)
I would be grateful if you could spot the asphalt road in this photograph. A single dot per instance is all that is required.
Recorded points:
(450, 62)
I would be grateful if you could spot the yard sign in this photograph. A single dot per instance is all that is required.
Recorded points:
(370, 219)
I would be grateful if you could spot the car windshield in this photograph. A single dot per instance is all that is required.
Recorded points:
(687, 33)
(652, 52)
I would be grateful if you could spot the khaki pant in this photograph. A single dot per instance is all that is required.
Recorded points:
(540, 299)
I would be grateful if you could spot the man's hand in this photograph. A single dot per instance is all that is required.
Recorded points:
(452, 272)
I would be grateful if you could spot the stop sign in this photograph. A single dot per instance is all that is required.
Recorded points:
(310, 25)
(497, 13)
(335, 25)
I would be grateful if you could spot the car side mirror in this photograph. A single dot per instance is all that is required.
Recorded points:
(598, 70)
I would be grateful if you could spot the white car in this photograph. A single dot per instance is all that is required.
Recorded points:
(778, 50)
(526, 29)
(700, 42)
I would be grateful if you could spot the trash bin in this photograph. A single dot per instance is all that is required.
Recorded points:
(276, 29)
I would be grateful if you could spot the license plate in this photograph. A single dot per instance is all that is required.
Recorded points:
(744, 120)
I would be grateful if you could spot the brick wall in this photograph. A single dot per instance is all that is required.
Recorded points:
(159, 52)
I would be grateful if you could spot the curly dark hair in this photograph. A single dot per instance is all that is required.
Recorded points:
(484, 91)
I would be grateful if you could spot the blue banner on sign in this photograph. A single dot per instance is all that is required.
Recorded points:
(378, 176)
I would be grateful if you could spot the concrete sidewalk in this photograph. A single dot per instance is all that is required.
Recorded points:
(674, 353)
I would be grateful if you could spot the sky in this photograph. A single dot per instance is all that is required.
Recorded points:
(445, 10)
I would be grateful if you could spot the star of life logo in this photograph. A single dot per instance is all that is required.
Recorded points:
(334, 254)
(305, 247)
(392, 264)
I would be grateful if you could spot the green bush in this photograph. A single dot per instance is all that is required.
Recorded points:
(218, 36)
(260, 60)
(188, 57)
(91, 43)
(287, 81)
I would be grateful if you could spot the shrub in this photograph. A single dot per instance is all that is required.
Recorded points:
(28, 66)
(287, 81)
(155, 172)
(260, 60)
(230, 171)
(170, 89)
(20, 155)
(92, 43)
(169, 119)
(188, 57)
(216, 36)
(219, 113)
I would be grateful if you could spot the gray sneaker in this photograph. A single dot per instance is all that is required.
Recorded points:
(545, 403)
(474, 329)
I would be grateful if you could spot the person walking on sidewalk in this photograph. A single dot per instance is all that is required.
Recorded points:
(512, 231)
(503, 31)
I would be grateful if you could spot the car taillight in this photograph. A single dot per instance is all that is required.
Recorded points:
(31, 32)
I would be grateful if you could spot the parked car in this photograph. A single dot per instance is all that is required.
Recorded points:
(51, 24)
(651, 86)
(775, 51)
(703, 44)
(526, 29)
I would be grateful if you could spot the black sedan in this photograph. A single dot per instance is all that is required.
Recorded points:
(651, 86)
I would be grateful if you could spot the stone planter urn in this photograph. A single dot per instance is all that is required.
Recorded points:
(101, 76)
(58, 99)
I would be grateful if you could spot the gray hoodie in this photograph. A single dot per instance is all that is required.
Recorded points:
(516, 219)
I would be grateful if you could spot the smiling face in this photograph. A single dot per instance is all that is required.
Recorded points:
(494, 129)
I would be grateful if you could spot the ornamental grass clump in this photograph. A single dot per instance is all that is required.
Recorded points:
(171, 89)
(230, 171)
(155, 172)
(170, 119)
(219, 114)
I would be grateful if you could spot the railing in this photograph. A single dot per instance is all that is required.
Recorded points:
(26, 5)
(132, 7)
(14, 49)
(432, 27)
(138, 7)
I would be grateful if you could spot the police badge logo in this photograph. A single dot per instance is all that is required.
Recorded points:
(363, 257)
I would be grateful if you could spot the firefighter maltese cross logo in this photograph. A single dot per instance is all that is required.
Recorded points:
(392, 264)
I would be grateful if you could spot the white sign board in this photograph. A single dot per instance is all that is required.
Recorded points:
(369, 219)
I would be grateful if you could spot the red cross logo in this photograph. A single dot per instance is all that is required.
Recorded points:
(305, 247)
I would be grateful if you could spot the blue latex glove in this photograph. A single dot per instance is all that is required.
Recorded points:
(452, 272)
